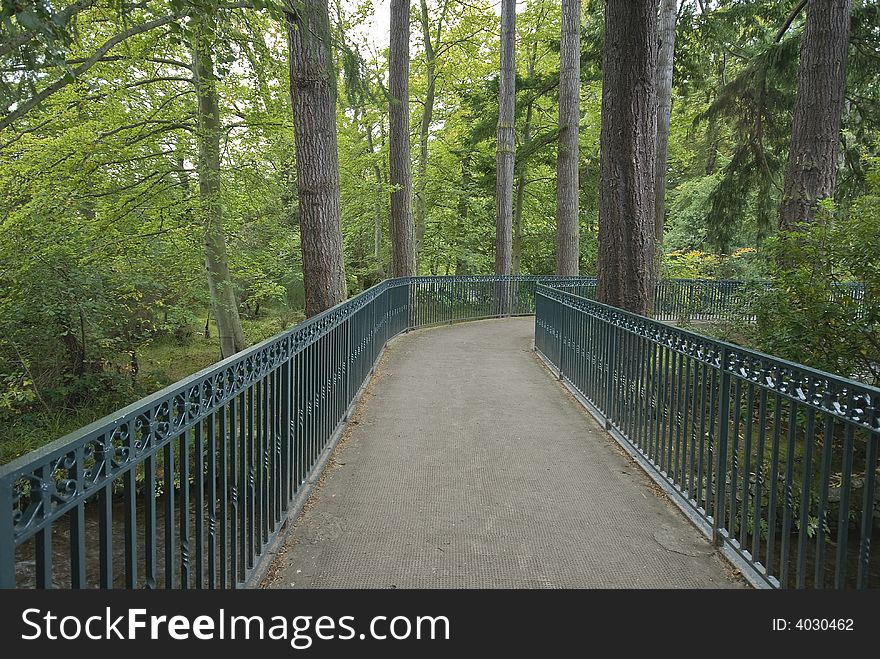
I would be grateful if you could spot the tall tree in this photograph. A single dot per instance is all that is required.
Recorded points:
(220, 286)
(665, 58)
(627, 143)
(812, 159)
(402, 248)
(567, 225)
(313, 97)
(432, 43)
(505, 155)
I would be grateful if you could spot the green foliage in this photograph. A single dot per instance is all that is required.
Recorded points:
(809, 316)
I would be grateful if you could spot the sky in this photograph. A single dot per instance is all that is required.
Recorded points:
(377, 31)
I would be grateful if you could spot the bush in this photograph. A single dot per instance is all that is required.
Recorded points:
(809, 315)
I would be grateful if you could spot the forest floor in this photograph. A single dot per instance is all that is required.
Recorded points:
(161, 362)
(469, 465)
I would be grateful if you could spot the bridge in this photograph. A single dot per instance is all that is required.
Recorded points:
(552, 442)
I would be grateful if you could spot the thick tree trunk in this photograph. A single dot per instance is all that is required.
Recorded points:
(313, 97)
(812, 160)
(626, 265)
(567, 225)
(665, 59)
(220, 287)
(505, 156)
(402, 249)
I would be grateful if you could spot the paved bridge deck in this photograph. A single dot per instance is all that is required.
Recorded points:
(468, 465)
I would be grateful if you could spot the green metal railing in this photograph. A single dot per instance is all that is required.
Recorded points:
(711, 300)
(190, 486)
(775, 461)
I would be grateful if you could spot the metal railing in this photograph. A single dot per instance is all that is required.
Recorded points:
(190, 486)
(709, 300)
(775, 461)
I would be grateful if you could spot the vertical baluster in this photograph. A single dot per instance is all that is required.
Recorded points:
(43, 537)
(788, 509)
(184, 509)
(806, 489)
(211, 440)
(757, 512)
(843, 520)
(774, 481)
(150, 549)
(129, 494)
(77, 519)
(747, 471)
(199, 504)
(169, 486)
(824, 475)
(867, 510)
(224, 521)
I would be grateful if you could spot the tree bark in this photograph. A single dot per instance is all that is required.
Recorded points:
(567, 224)
(313, 97)
(220, 286)
(665, 59)
(377, 205)
(522, 170)
(811, 171)
(626, 264)
(505, 156)
(421, 209)
(402, 249)
(461, 265)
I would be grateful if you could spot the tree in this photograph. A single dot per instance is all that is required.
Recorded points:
(812, 159)
(567, 225)
(402, 249)
(626, 268)
(223, 299)
(668, 15)
(313, 97)
(505, 154)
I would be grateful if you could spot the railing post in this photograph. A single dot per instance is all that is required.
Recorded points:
(721, 450)
(285, 424)
(7, 540)
(561, 333)
(612, 369)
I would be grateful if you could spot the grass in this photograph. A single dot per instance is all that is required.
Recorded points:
(161, 363)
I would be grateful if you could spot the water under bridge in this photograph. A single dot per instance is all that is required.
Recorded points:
(552, 442)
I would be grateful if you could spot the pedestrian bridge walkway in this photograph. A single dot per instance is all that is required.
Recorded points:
(387, 443)
(468, 465)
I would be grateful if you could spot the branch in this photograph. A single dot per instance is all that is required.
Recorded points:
(64, 81)
(788, 21)
(21, 38)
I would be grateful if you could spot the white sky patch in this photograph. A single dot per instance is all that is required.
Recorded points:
(376, 31)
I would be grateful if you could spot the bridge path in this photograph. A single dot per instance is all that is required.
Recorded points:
(467, 465)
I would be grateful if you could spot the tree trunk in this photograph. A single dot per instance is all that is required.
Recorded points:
(377, 205)
(421, 208)
(665, 58)
(812, 160)
(220, 287)
(504, 159)
(567, 225)
(461, 265)
(521, 169)
(402, 251)
(626, 266)
(313, 97)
